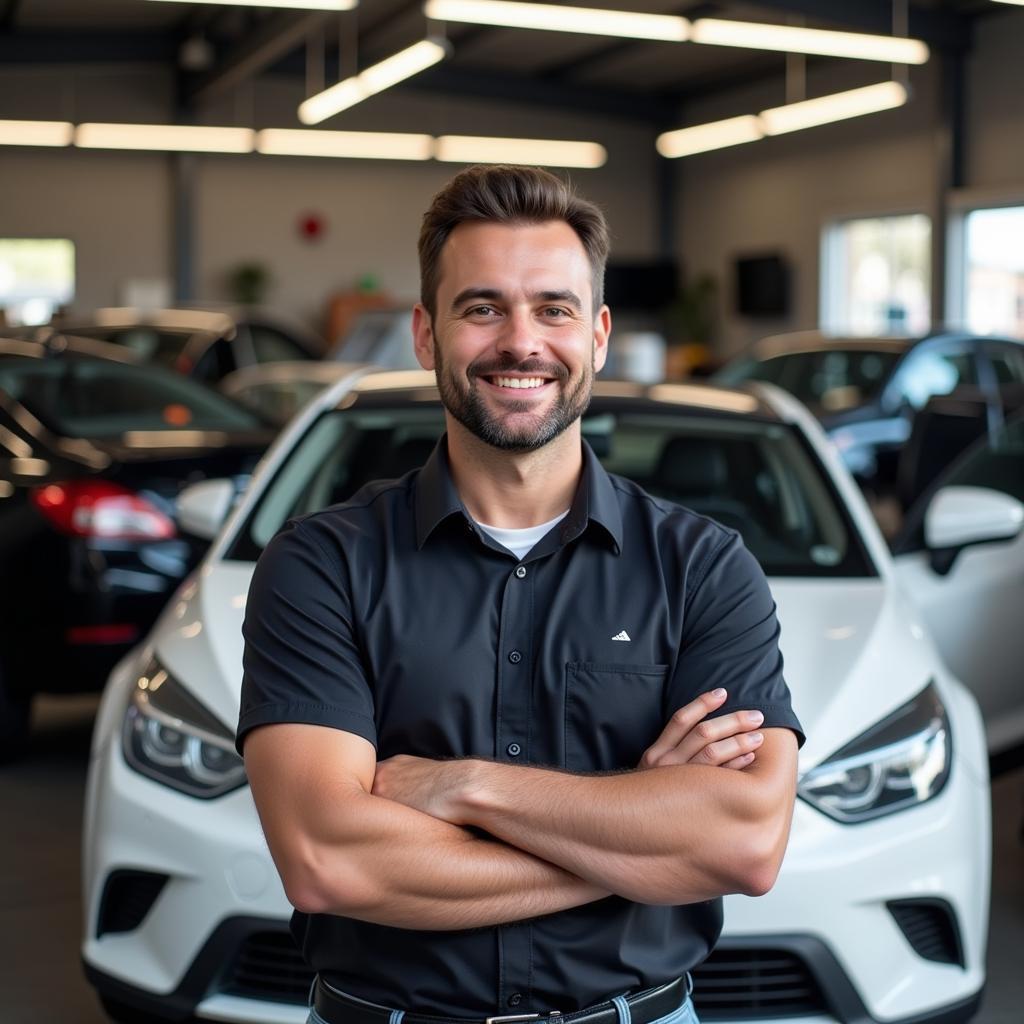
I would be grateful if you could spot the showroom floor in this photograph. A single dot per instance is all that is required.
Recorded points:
(40, 799)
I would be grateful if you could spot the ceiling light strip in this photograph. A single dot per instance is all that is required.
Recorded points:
(715, 135)
(404, 64)
(476, 149)
(837, 106)
(300, 5)
(165, 137)
(795, 39)
(36, 133)
(554, 18)
(355, 145)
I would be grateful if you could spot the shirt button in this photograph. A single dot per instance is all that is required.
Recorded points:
(521, 572)
(515, 657)
(515, 999)
(513, 750)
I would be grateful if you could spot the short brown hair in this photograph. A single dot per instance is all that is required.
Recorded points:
(508, 194)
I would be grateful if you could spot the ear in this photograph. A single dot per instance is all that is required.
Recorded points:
(602, 332)
(422, 336)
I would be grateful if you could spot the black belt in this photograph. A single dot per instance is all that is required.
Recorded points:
(336, 1007)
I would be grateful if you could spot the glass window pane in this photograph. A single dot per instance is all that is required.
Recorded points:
(37, 277)
(878, 276)
(994, 287)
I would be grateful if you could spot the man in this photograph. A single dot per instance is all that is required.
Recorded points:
(487, 707)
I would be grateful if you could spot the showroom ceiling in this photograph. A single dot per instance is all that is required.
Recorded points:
(586, 72)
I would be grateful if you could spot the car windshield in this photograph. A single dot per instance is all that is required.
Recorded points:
(95, 398)
(830, 379)
(150, 344)
(757, 477)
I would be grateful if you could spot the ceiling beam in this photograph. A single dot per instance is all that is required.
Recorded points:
(271, 39)
(938, 27)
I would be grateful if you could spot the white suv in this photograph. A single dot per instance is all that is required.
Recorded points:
(881, 909)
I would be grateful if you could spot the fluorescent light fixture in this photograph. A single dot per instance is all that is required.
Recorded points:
(835, 107)
(476, 149)
(553, 18)
(365, 145)
(302, 5)
(36, 133)
(394, 69)
(794, 39)
(1016, 3)
(184, 137)
(715, 135)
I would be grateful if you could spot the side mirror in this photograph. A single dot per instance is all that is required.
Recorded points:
(958, 516)
(202, 508)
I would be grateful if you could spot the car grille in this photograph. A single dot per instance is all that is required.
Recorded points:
(748, 983)
(755, 983)
(127, 898)
(268, 965)
(930, 927)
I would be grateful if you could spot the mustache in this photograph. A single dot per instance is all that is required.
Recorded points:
(486, 367)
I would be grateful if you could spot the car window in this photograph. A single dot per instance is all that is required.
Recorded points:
(996, 461)
(1008, 364)
(270, 345)
(278, 400)
(213, 363)
(95, 398)
(758, 478)
(933, 371)
(164, 348)
(833, 378)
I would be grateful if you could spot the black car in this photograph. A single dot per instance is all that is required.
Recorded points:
(867, 391)
(205, 344)
(94, 449)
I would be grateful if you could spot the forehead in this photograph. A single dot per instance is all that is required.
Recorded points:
(506, 255)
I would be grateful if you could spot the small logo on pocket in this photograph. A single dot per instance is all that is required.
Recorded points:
(622, 636)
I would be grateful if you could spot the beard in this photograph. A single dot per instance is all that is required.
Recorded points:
(462, 398)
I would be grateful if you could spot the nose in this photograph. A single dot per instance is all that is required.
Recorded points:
(520, 337)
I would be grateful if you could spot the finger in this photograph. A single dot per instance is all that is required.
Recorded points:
(716, 730)
(714, 754)
(681, 722)
(740, 762)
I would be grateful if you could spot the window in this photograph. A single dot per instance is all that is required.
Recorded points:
(934, 371)
(1008, 364)
(37, 277)
(993, 271)
(876, 275)
(270, 345)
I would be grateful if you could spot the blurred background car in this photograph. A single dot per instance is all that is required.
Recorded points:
(379, 336)
(206, 344)
(970, 588)
(184, 912)
(867, 391)
(278, 391)
(94, 449)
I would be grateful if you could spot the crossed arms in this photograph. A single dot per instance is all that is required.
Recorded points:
(707, 812)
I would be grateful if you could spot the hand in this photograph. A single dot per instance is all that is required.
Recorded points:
(725, 742)
(433, 787)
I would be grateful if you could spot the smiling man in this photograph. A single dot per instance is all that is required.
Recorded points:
(513, 726)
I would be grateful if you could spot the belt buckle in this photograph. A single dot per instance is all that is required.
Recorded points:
(508, 1018)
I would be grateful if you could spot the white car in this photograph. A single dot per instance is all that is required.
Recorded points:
(881, 909)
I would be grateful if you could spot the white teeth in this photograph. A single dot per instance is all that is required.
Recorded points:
(519, 382)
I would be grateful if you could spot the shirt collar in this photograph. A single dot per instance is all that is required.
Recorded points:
(595, 499)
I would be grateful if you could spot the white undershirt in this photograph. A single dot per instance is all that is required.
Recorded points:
(519, 542)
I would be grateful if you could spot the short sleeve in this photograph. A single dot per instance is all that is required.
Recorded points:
(302, 662)
(731, 639)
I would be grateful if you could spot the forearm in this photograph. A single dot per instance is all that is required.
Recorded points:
(392, 865)
(677, 834)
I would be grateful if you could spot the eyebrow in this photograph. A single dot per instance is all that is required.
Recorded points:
(494, 294)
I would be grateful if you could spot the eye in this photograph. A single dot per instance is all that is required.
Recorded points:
(481, 311)
(556, 313)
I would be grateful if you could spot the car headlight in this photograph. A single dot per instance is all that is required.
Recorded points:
(898, 763)
(169, 736)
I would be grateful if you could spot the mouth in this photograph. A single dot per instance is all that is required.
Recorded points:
(505, 382)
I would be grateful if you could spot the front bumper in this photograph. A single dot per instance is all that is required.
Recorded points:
(827, 930)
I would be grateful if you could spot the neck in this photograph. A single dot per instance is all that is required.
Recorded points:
(513, 490)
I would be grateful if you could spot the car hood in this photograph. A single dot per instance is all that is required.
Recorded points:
(854, 650)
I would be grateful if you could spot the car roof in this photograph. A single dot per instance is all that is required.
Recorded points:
(819, 341)
(193, 321)
(390, 386)
(49, 345)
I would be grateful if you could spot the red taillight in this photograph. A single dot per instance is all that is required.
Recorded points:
(98, 508)
(114, 633)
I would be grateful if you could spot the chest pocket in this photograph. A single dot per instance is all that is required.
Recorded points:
(613, 713)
